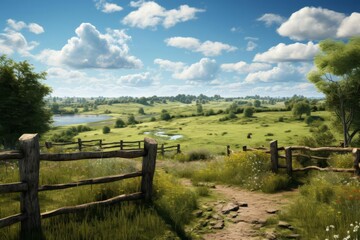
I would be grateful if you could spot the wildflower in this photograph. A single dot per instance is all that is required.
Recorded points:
(336, 236)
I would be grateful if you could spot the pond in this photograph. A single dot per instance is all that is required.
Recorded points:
(63, 120)
(164, 135)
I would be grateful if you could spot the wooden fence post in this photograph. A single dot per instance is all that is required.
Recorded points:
(288, 155)
(100, 143)
(121, 145)
(356, 152)
(29, 173)
(228, 150)
(148, 168)
(178, 149)
(162, 150)
(139, 143)
(48, 145)
(274, 156)
(80, 144)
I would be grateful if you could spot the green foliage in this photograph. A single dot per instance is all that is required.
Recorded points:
(68, 134)
(199, 109)
(198, 154)
(300, 108)
(249, 112)
(321, 136)
(132, 120)
(230, 116)
(165, 115)
(257, 103)
(22, 107)
(341, 161)
(337, 76)
(120, 123)
(330, 200)
(141, 111)
(106, 130)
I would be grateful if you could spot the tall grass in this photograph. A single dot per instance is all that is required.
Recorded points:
(328, 199)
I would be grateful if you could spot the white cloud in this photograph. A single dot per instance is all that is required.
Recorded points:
(251, 46)
(204, 70)
(270, 19)
(107, 7)
(207, 48)
(18, 26)
(169, 65)
(91, 49)
(243, 67)
(150, 14)
(64, 74)
(291, 52)
(311, 23)
(12, 41)
(283, 72)
(137, 80)
(350, 26)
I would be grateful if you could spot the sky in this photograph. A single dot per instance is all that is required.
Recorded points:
(232, 48)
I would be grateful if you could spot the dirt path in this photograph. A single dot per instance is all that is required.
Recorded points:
(242, 223)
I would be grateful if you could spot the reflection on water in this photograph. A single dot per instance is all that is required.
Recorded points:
(164, 135)
(63, 120)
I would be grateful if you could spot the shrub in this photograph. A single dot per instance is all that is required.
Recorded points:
(248, 112)
(198, 154)
(119, 123)
(275, 182)
(106, 130)
(132, 120)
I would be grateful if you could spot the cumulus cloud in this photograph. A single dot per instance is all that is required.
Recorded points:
(312, 23)
(92, 49)
(11, 42)
(204, 70)
(207, 48)
(107, 7)
(19, 25)
(283, 72)
(243, 67)
(64, 74)
(151, 14)
(270, 19)
(251, 45)
(291, 52)
(350, 26)
(137, 80)
(168, 65)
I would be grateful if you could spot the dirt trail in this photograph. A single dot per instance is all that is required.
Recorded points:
(260, 206)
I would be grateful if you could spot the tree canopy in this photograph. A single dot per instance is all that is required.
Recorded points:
(22, 105)
(338, 77)
(300, 108)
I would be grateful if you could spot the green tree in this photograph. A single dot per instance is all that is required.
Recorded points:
(22, 105)
(338, 77)
(119, 123)
(106, 130)
(132, 120)
(141, 111)
(257, 103)
(300, 108)
(165, 115)
(248, 112)
(199, 108)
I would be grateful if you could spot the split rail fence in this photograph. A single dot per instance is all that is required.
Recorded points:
(29, 158)
(294, 151)
(98, 144)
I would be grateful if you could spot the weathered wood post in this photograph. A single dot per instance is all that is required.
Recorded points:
(121, 145)
(100, 143)
(162, 150)
(178, 151)
(80, 144)
(228, 150)
(148, 168)
(288, 155)
(139, 144)
(29, 173)
(48, 145)
(356, 152)
(274, 156)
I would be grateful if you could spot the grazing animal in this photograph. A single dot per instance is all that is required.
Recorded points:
(249, 135)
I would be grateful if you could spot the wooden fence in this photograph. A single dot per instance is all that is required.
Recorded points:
(98, 144)
(29, 158)
(294, 151)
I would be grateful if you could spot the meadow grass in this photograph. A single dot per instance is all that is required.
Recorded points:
(165, 217)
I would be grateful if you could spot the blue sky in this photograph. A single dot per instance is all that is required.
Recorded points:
(144, 48)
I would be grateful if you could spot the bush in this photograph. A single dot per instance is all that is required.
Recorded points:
(249, 112)
(106, 130)
(119, 123)
(132, 120)
(198, 154)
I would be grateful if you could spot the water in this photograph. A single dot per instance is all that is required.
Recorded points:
(63, 120)
(164, 135)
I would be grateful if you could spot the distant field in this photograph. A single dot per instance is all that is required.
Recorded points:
(199, 131)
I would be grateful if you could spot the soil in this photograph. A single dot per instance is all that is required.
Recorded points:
(246, 221)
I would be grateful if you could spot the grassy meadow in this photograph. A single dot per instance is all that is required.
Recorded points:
(203, 144)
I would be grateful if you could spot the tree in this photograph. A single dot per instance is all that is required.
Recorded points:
(132, 120)
(248, 112)
(300, 108)
(119, 123)
(22, 104)
(106, 130)
(257, 103)
(165, 115)
(199, 109)
(338, 77)
(141, 111)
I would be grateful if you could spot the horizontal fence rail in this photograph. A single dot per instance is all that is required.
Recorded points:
(29, 158)
(298, 151)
